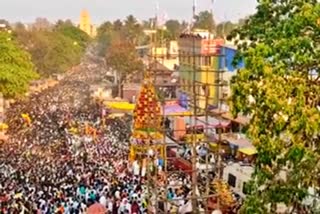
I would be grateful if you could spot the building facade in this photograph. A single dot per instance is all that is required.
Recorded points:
(167, 55)
(86, 25)
(228, 53)
(200, 51)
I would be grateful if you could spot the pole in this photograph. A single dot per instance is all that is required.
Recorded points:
(194, 160)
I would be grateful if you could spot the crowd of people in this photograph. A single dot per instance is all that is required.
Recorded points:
(50, 164)
(64, 156)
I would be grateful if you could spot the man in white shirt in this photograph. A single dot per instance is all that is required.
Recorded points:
(103, 201)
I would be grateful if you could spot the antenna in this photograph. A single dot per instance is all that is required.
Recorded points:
(194, 8)
(212, 9)
(193, 20)
(157, 14)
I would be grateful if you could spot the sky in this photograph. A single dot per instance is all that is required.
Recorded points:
(102, 10)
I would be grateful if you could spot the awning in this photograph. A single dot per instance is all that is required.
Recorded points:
(175, 110)
(210, 123)
(240, 143)
(120, 105)
(248, 151)
(239, 119)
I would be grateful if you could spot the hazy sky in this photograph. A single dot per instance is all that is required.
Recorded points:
(101, 10)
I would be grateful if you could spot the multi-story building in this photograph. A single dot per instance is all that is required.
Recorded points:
(228, 53)
(86, 25)
(200, 51)
(167, 55)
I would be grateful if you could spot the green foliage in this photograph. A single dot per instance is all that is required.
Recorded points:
(128, 31)
(132, 30)
(205, 21)
(281, 96)
(6, 23)
(69, 30)
(54, 51)
(16, 68)
(123, 57)
(163, 36)
(225, 28)
(173, 28)
(104, 37)
(61, 54)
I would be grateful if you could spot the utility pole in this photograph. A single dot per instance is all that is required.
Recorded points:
(194, 92)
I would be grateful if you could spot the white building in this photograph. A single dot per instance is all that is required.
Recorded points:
(237, 177)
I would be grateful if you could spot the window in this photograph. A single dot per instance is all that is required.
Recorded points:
(245, 188)
(207, 61)
(232, 180)
(206, 90)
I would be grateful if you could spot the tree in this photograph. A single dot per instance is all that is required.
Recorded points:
(123, 58)
(41, 24)
(174, 28)
(19, 27)
(16, 68)
(184, 26)
(69, 30)
(52, 51)
(225, 28)
(4, 24)
(277, 89)
(117, 25)
(132, 30)
(163, 36)
(205, 21)
(104, 36)
(148, 24)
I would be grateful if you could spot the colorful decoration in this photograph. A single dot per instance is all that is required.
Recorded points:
(147, 112)
(140, 134)
(224, 193)
(147, 122)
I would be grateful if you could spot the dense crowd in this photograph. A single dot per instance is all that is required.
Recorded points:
(65, 156)
(50, 164)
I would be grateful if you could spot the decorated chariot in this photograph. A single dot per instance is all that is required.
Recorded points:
(147, 135)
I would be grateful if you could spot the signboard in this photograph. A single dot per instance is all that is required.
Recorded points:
(211, 46)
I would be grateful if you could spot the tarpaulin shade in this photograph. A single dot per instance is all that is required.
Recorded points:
(248, 151)
(120, 105)
(211, 123)
(175, 110)
(240, 143)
